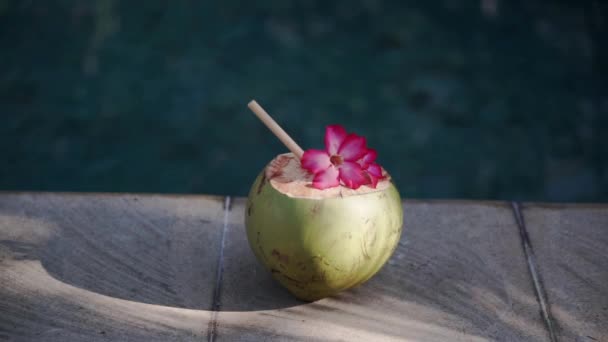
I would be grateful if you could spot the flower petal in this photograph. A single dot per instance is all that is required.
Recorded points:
(334, 136)
(375, 170)
(352, 175)
(315, 161)
(327, 178)
(369, 157)
(373, 180)
(352, 148)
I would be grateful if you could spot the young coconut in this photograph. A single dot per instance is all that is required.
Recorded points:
(324, 223)
(319, 242)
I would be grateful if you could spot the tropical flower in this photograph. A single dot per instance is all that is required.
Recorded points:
(345, 159)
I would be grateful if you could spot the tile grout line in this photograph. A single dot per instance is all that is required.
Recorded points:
(216, 305)
(539, 290)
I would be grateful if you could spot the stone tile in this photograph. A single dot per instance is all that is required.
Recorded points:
(459, 273)
(99, 267)
(570, 245)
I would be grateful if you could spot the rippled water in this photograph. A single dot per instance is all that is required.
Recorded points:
(488, 100)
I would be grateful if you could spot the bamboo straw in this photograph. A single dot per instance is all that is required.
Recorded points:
(275, 128)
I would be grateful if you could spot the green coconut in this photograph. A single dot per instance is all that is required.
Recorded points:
(319, 242)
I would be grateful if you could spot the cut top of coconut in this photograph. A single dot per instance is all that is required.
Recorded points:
(287, 176)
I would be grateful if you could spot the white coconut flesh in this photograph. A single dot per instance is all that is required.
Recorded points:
(287, 176)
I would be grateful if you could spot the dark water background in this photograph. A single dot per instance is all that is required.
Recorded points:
(463, 99)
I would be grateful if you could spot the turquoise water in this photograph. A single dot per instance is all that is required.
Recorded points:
(485, 100)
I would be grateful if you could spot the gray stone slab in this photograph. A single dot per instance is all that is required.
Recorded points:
(107, 267)
(459, 274)
(570, 245)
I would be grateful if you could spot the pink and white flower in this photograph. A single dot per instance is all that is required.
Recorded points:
(346, 159)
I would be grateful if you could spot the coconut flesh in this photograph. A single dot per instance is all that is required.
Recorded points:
(319, 242)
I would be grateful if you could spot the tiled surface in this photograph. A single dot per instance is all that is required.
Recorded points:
(145, 268)
(451, 278)
(571, 248)
(136, 268)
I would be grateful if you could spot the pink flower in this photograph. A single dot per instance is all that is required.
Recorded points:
(346, 159)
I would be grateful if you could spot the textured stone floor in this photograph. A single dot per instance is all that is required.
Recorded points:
(126, 267)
